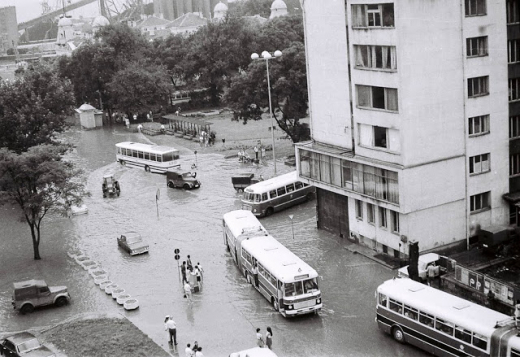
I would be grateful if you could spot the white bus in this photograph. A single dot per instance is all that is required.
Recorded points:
(443, 324)
(153, 158)
(285, 280)
(280, 192)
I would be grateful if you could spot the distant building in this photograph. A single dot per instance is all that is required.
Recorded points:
(152, 26)
(186, 24)
(8, 29)
(220, 11)
(278, 8)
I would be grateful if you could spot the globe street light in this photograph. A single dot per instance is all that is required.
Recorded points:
(267, 56)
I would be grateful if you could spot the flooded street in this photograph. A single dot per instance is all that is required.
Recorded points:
(226, 313)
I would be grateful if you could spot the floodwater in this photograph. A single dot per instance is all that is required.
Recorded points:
(225, 314)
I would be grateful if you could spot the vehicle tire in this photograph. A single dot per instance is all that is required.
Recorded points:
(147, 168)
(61, 301)
(269, 211)
(275, 305)
(397, 334)
(122, 162)
(186, 186)
(27, 309)
(170, 184)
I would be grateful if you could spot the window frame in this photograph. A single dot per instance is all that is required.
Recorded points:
(362, 90)
(477, 47)
(477, 166)
(395, 220)
(371, 213)
(514, 89)
(383, 218)
(359, 209)
(360, 16)
(512, 12)
(483, 125)
(470, 5)
(480, 202)
(369, 54)
(514, 165)
(478, 86)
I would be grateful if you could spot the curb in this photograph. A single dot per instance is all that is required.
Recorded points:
(371, 257)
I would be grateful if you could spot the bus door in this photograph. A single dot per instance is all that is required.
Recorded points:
(499, 341)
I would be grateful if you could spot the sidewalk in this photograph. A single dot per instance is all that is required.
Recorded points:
(383, 259)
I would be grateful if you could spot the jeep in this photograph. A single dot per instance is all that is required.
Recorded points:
(34, 293)
(185, 180)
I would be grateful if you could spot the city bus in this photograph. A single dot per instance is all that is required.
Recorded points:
(269, 196)
(153, 158)
(285, 280)
(443, 324)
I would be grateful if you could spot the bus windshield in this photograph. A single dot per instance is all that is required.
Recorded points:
(250, 197)
(301, 287)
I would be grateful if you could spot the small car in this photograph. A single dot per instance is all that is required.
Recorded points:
(184, 180)
(34, 293)
(24, 344)
(133, 243)
(425, 261)
(110, 186)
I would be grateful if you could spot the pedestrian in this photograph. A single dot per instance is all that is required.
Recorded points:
(187, 292)
(223, 142)
(201, 271)
(430, 272)
(269, 338)
(193, 277)
(163, 129)
(188, 351)
(171, 327)
(188, 261)
(263, 153)
(139, 128)
(255, 274)
(195, 347)
(239, 155)
(255, 149)
(259, 338)
(183, 271)
(199, 352)
(197, 275)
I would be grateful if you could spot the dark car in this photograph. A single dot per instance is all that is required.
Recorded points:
(133, 243)
(184, 180)
(24, 344)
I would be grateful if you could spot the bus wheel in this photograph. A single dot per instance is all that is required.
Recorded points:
(122, 162)
(147, 168)
(269, 211)
(275, 305)
(398, 334)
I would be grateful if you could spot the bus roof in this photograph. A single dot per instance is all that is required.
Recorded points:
(273, 183)
(244, 222)
(448, 307)
(280, 261)
(145, 147)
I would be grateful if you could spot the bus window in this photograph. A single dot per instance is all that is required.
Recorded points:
(426, 319)
(310, 285)
(119, 150)
(159, 158)
(246, 256)
(289, 188)
(410, 312)
(298, 185)
(257, 197)
(176, 156)
(152, 157)
(444, 326)
(248, 196)
(280, 191)
(264, 196)
(382, 299)
(167, 156)
(272, 194)
(293, 289)
(146, 156)
(140, 154)
(396, 306)
(479, 341)
(134, 153)
(462, 334)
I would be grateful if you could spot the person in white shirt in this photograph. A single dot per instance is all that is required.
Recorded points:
(187, 291)
(171, 327)
(188, 351)
(199, 352)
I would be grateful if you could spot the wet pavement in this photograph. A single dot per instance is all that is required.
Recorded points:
(226, 313)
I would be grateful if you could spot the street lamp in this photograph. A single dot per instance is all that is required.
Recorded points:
(267, 56)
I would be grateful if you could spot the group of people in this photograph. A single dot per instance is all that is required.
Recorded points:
(195, 351)
(267, 341)
(206, 139)
(171, 327)
(195, 274)
(244, 157)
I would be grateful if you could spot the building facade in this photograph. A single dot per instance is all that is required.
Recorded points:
(408, 103)
(8, 29)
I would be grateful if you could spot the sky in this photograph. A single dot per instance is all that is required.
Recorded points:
(30, 9)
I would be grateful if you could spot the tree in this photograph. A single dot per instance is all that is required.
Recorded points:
(170, 53)
(140, 87)
(248, 93)
(38, 180)
(33, 108)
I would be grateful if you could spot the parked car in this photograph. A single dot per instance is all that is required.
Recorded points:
(24, 344)
(110, 186)
(133, 243)
(34, 293)
(424, 262)
(184, 180)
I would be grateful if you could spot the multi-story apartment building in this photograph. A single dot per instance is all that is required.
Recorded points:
(408, 103)
(8, 28)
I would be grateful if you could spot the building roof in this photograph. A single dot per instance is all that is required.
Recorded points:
(278, 5)
(188, 20)
(153, 21)
(220, 7)
(86, 107)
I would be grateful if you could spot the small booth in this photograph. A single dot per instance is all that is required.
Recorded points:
(89, 117)
(491, 238)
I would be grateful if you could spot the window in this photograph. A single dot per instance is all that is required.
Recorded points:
(376, 57)
(513, 51)
(290, 188)
(371, 214)
(479, 341)
(380, 136)
(410, 312)
(298, 185)
(462, 334)
(264, 196)
(512, 11)
(382, 299)
(373, 15)
(395, 221)
(280, 191)
(514, 166)
(478, 86)
(479, 164)
(514, 89)
(476, 46)
(426, 319)
(396, 306)
(479, 202)
(382, 218)
(444, 326)
(273, 194)
(478, 125)
(514, 127)
(377, 98)
(359, 209)
(475, 7)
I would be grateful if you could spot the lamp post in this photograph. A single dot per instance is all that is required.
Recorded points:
(267, 56)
